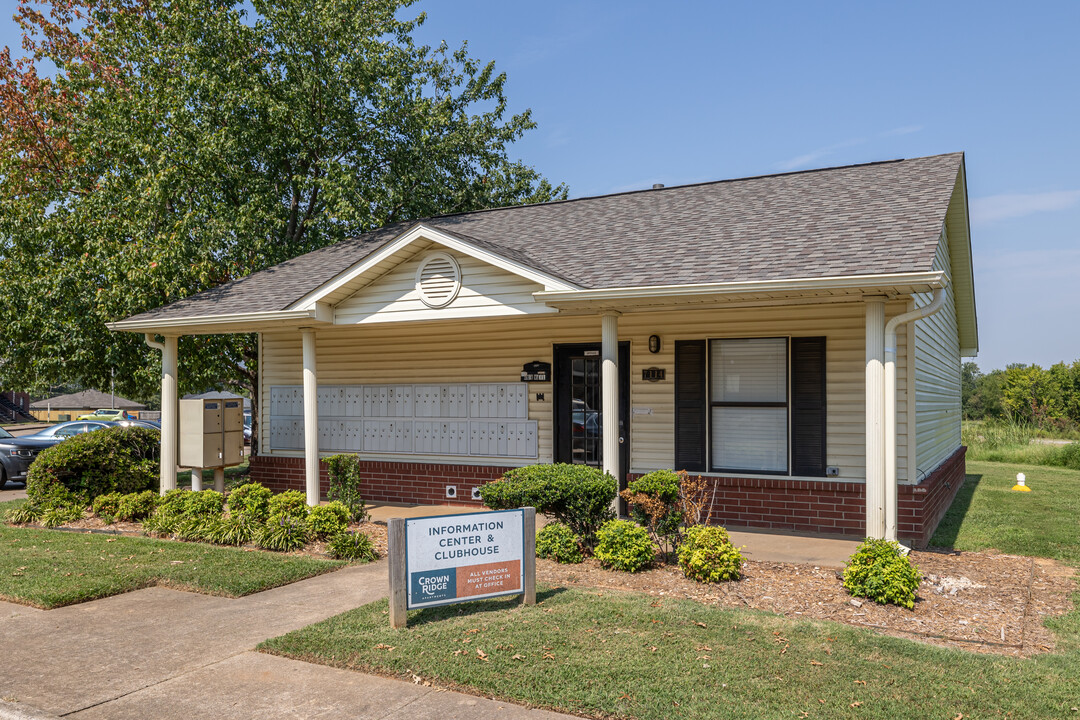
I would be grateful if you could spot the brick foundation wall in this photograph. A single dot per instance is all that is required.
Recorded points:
(922, 506)
(815, 506)
(401, 482)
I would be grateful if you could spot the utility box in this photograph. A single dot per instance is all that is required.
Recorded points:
(211, 433)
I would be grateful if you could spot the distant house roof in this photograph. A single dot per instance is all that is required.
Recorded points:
(218, 395)
(86, 399)
(873, 219)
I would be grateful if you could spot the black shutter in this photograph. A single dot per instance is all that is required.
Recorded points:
(808, 406)
(691, 402)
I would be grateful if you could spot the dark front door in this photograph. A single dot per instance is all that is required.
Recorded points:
(578, 403)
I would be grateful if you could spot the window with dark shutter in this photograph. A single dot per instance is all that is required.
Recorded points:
(808, 406)
(691, 402)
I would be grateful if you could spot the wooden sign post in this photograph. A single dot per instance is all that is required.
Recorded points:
(451, 559)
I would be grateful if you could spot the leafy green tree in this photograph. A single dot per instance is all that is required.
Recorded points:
(969, 380)
(181, 144)
(985, 400)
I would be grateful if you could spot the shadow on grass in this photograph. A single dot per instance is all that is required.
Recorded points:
(476, 607)
(949, 527)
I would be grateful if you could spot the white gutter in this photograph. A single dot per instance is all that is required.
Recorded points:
(923, 282)
(890, 404)
(317, 314)
(149, 340)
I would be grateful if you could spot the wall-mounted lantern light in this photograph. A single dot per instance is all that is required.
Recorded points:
(654, 344)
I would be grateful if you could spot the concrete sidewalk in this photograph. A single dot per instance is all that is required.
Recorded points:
(160, 653)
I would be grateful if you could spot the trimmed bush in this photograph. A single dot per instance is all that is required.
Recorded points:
(344, 474)
(115, 459)
(250, 500)
(136, 506)
(578, 496)
(328, 520)
(352, 546)
(881, 572)
(107, 506)
(655, 504)
(623, 545)
(206, 504)
(282, 533)
(707, 555)
(291, 503)
(557, 542)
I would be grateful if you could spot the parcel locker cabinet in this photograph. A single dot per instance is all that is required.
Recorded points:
(211, 433)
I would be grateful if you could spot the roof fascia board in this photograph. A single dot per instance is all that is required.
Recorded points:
(933, 279)
(421, 231)
(317, 313)
(960, 251)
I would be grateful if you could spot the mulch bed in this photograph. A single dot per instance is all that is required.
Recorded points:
(985, 602)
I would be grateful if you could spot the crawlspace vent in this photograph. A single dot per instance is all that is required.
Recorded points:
(438, 280)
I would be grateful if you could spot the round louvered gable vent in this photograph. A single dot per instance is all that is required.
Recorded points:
(438, 280)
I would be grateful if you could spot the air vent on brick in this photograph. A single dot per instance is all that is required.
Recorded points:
(438, 280)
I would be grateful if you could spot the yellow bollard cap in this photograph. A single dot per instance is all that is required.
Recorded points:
(1021, 483)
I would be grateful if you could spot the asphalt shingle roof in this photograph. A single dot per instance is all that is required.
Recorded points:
(855, 220)
(86, 399)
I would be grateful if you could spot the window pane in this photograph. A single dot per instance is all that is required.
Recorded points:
(749, 439)
(750, 370)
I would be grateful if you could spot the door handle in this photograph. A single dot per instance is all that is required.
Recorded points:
(621, 439)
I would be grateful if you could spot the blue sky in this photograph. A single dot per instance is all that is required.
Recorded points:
(627, 94)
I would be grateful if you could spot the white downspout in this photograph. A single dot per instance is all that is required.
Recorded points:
(891, 501)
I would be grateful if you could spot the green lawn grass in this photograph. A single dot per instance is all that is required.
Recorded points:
(51, 568)
(987, 513)
(629, 655)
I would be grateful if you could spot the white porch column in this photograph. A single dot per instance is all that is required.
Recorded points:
(311, 419)
(169, 413)
(875, 417)
(609, 383)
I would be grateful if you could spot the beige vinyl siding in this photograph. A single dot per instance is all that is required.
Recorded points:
(937, 370)
(486, 291)
(494, 350)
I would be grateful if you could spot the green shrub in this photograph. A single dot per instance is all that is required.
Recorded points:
(28, 512)
(578, 496)
(205, 504)
(57, 515)
(344, 474)
(115, 459)
(250, 500)
(107, 506)
(233, 530)
(707, 555)
(881, 572)
(164, 520)
(197, 528)
(328, 520)
(623, 545)
(136, 506)
(291, 503)
(352, 546)
(655, 504)
(559, 543)
(282, 533)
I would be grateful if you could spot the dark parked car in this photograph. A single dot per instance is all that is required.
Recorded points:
(16, 454)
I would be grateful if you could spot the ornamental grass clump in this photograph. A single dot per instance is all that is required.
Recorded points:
(880, 571)
(707, 555)
(623, 545)
(352, 546)
(233, 530)
(283, 533)
(557, 542)
(579, 496)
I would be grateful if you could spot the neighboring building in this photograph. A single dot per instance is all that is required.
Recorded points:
(735, 329)
(14, 406)
(69, 407)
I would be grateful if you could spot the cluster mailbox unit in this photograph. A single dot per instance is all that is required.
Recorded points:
(211, 436)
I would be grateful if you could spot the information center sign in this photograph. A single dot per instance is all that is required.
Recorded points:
(453, 558)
